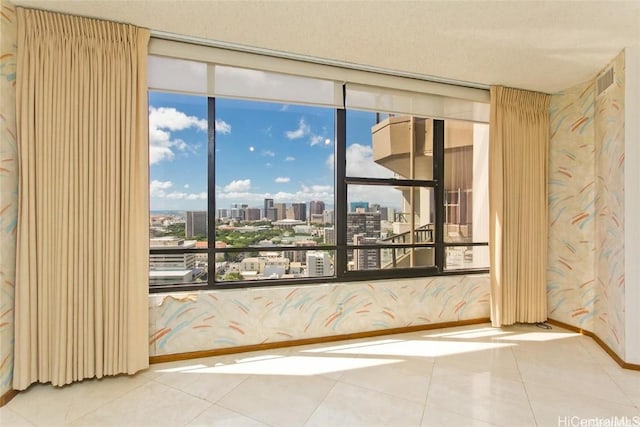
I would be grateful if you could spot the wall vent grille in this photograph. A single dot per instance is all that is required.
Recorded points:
(604, 81)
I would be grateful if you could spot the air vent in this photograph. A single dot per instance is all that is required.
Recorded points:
(604, 81)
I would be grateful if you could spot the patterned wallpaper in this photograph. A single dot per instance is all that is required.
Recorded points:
(586, 209)
(8, 188)
(609, 209)
(228, 318)
(570, 287)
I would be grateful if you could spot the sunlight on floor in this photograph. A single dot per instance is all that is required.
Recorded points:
(420, 348)
(288, 365)
(366, 354)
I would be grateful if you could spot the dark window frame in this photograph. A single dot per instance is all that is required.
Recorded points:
(341, 273)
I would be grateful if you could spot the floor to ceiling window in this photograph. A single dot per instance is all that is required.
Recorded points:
(275, 179)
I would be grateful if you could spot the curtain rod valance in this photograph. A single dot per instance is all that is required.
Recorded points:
(196, 50)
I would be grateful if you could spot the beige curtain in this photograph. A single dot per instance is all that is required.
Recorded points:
(518, 205)
(81, 303)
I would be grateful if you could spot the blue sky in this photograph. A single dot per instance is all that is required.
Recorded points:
(279, 151)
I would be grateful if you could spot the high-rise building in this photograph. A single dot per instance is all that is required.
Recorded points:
(272, 214)
(252, 214)
(374, 207)
(387, 214)
(281, 209)
(222, 213)
(353, 206)
(195, 224)
(366, 224)
(268, 204)
(316, 218)
(318, 264)
(365, 258)
(297, 211)
(328, 217)
(316, 207)
(237, 211)
(329, 235)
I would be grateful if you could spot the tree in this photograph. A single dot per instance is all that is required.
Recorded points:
(233, 276)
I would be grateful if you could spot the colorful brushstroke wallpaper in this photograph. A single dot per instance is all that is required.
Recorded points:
(230, 318)
(585, 284)
(609, 211)
(8, 188)
(570, 289)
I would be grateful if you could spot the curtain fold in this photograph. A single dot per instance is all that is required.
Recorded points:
(518, 160)
(81, 298)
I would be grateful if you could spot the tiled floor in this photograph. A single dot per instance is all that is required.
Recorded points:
(473, 375)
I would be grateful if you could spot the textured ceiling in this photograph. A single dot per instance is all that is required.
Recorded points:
(536, 45)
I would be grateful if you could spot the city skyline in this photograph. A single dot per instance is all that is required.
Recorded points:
(263, 151)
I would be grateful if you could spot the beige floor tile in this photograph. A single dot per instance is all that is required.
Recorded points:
(221, 417)
(349, 405)
(278, 400)
(153, 404)
(200, 381)
(9, 418)
(61, 405)
(408, 379)
(552, 406)
(628, 380)
(481, 396)
(500, 363)
(438, 417)
(578, 378)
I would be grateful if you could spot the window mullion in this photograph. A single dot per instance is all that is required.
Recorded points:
(340, 223)
(438, 174)
(211, 190)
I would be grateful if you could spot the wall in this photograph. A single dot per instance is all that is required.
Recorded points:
(570, 289)
(8, 189)
(586, 276)
(227, 318)
(609, 204)
(632, 203)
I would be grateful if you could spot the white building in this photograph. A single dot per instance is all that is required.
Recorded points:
(318, 264)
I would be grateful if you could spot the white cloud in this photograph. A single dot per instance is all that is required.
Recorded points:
(223, 127)
(304, 194)
(158, 190)
(302, 130)
(163, 121)
(158, 154)
(282, 179)
(360, 163)
(240, 185)
(315, 139)
(187, 196)
(172, 119)
(268, 153)
(186, 186)
(289, 159)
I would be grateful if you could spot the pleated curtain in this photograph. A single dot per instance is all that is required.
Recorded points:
(518, 159)
(81, 299)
